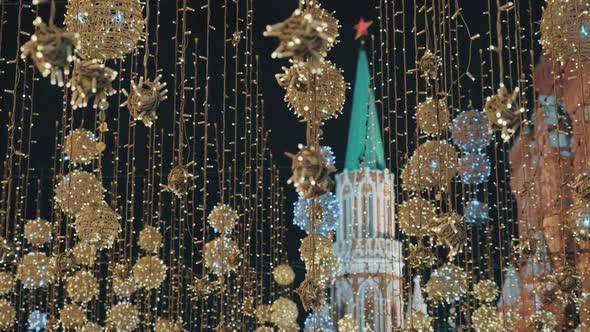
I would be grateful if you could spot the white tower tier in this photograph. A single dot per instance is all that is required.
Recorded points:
(369, 283)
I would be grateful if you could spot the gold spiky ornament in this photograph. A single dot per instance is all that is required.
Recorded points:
(52, 50)
(301, 37)
(144, 99)
(311, 174)
(178, 180)
(91, 78)
(503, 111)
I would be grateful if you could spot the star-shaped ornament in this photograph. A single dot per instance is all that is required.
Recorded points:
(362, 28)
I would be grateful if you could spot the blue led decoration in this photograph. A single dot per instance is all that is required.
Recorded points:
(329, 157)
(559, 124)
(37, 321)
(476, 212)
(118, 18)
(474, 168)
(329, 203)
(584, 31)
(319, 321)
(470, 130)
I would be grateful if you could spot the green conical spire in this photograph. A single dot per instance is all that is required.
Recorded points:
(365, 145)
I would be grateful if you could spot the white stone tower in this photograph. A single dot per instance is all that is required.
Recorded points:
(369, 284)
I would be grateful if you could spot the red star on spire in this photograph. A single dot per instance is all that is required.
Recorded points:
(362, 28)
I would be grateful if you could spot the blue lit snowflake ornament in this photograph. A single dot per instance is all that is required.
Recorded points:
(326, 206)
(474, 168)
(37, 321)
(470, 130)
(476, 212)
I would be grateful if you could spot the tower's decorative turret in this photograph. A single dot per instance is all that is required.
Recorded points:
(369, 283)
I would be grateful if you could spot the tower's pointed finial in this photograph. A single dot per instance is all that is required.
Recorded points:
(362, 28)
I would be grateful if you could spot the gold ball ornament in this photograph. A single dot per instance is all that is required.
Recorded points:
(123, 317)
(52, 49)
(284, 312)
(221, 255)
(263, 313)
(283, 274)
(264, 329)
(310, 87)
(7, 315)
(565, 28)
(98, 225)
(77, 190)
(315, 246)
(84, 254)
(91, 78)
(144, 99)
(432, 116)
(149, 272)
(107, 29)
(91, 327)
(35, 270)
(578, 219)
(150, 239)
(72, 316)
(485, 319)
(420, 321)
(81, 146)
(311, 174)
(167, 325)
(6, 283)
(447, 283)
(38, 232)
(503, 111)
(347, 324)
(433, 165)
(223, 218)
(485, 291)
(323, 269)
(301, 37)
(82, 287)
(124, 284)
(417, 216)
(178, 181)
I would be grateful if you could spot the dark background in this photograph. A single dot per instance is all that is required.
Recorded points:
(286, 132)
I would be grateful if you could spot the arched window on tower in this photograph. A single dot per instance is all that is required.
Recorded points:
(368, 218)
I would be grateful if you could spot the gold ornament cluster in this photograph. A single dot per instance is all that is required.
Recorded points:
(223, 218)
(82, 147)
(149, 272)
(432, 116)
(78, 190)
(98, 225)
(144, 99)
(565, 29)
(311, 173)
(91, 78)
(433, 165)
